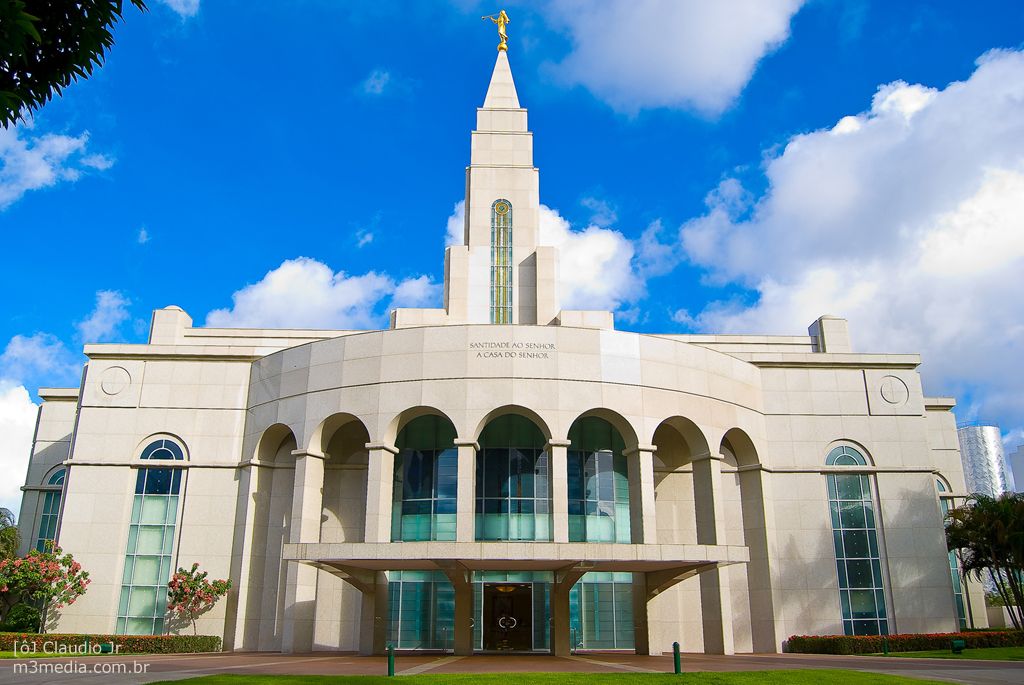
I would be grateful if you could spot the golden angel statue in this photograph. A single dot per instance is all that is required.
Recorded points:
(501, 19)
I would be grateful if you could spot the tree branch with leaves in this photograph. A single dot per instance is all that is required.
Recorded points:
(988, 533)
(45, 45)
(190, 594)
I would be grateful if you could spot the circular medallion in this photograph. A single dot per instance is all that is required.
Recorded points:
(894, 390)
(502, 208)
(114, 380)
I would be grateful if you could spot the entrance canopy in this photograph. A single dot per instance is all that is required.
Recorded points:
(663, 565)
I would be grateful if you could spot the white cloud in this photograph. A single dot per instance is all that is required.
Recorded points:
(104, 322)
(40, 354)
(377, 82)
(654, 257)
(595, 270)
(143, 236)
(17, 426)
(417, 292)
(30, 162)
(305, 293)
(363, 237)
(456, 233)
(98, 162)
(907, 220)
(184, 8)
(603, 214)
(694, 54)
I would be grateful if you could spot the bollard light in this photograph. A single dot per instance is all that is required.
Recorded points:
(676, 659)
(391, 659)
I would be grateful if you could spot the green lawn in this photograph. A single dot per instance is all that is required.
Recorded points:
(804, 677)
(987, 653)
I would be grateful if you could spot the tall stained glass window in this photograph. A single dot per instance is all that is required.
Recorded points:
(858, 564)
(946, 503)
(513, 489)
(147, 566)
(598, 483)
(426, 473)
(501, 262)
(51, 511)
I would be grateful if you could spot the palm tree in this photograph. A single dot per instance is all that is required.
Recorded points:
(10, 540)
(988, 532)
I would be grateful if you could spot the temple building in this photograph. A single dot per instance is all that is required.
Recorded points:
(502, 474)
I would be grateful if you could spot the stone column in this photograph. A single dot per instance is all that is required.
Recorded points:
(561, 638)
(465, 507)
(558, 451)
(237, 636)
(373, 615)
(644, 640)
(759, 535)
(300, 584)
(461, 580)
(716, 609)
(642, 519)
(380, 478)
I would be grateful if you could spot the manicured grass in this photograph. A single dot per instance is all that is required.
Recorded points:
(790, 677)
(986, 653)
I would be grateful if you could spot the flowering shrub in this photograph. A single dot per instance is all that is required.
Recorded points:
(911, 642)
(190, 594)
(125, 644)
(51, 578)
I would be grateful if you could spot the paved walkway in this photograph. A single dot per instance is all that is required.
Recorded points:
(148, 669)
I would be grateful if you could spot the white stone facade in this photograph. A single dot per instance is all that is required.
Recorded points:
(289, 443)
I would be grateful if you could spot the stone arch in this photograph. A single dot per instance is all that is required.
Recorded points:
(402, 418)
(738, 448)
(679, 441)
(625, 428)
(276, 444)
(329, 428)
(518, 410)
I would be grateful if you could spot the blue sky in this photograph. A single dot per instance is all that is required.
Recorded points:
(752, 164)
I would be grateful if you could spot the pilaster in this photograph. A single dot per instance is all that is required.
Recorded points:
(380, 478)
(642, 517)
(300, 584)
(465, 507)
(716, 609)
(559, 453)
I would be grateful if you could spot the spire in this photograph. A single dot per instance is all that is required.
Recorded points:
(501, 93)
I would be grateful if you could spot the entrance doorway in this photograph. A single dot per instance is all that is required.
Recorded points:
(508, 617)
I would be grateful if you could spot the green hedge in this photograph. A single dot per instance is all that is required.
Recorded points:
(128, 644)
(912, 642)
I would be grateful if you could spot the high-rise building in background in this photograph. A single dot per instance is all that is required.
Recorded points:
(1016, 464)
(985, 469)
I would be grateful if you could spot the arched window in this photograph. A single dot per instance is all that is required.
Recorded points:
(147, 566)
(501, 261)
(426, 476)
(945, 504)
(513, 492)
(162, 449)
(858, 563)
(598, 483)
(845, 456)
(51, 510)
